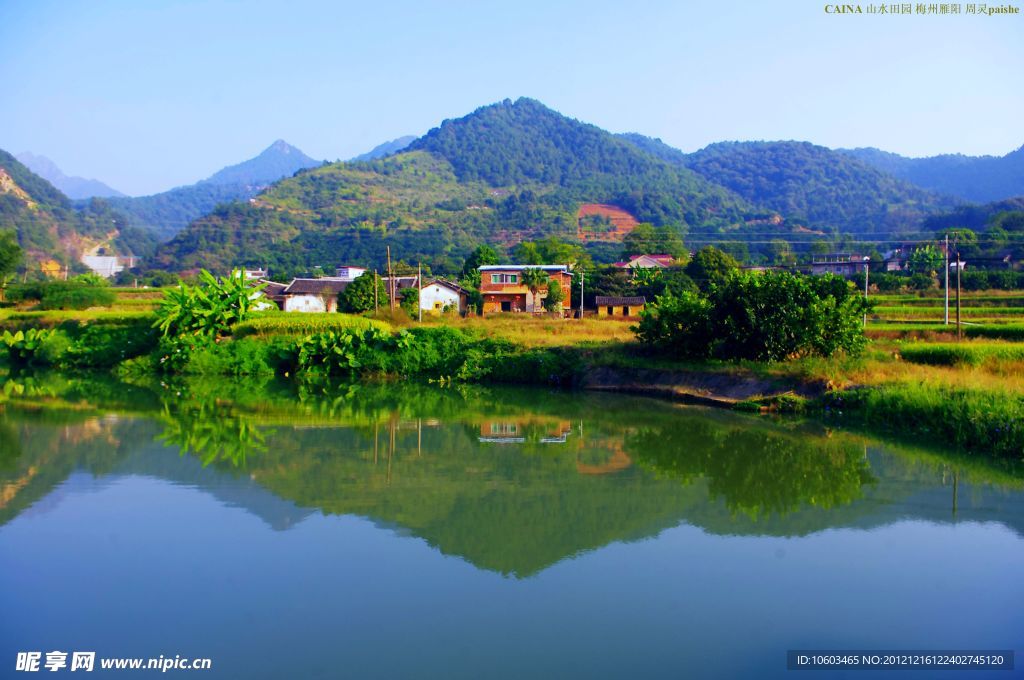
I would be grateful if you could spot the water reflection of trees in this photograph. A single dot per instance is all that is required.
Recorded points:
(754, 470)
(212, 432)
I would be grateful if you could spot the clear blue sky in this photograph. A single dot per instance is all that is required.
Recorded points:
(150, 94)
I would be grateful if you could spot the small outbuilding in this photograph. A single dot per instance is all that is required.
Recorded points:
(619, 307)
(441, 295)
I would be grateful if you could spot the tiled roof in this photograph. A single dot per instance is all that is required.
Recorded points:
(316, 287)
(604, 300)
(447, 284)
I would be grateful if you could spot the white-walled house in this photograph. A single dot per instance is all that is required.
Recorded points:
(347, 273)
(313, 295)
(440, 295)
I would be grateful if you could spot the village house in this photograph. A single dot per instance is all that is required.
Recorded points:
(258, 274)
(313, 295)
(843, 264)
(348, 273)
(619, 307)
(503, 291)
(273, 293)
(441, 295)
(647, 262)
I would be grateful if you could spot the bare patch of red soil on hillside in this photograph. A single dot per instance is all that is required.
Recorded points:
(600, 222)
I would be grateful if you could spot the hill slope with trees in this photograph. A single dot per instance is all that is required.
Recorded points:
(981, 179)
(506, 173)
(167, 213)
(50, 227)
(809, 184)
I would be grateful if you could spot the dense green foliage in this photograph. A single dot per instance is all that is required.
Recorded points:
(80, 292)
(710, 266)
(764, 317)
(24, 348)
(359, 296)
(208, 309)
(11, 256)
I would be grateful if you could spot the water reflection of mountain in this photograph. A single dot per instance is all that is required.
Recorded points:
(515, 485)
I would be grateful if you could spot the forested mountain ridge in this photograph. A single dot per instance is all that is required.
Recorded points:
(524, 142)
(49, 227)
(809, 184)
(167, 213)
(505, 173)
(975, 178)
(72, 187)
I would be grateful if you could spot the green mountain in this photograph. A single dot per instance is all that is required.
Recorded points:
(72, 187)
(808, 184)
(505, 173)
(981, 179)
(49, 227)
(167, 213)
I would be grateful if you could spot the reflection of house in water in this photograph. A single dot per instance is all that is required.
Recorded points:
(517, 432)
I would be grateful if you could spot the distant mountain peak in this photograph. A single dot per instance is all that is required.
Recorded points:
(72, 187)
(385, 149)
(281, 146)
(278, 160)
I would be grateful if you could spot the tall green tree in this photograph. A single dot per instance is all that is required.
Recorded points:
(710, 266)
(527, 252)
(481, 256)
(533, 278)
(358, 297)
(925, 259)
(555, 296)
(10, 257)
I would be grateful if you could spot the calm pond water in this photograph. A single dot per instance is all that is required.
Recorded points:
(290, 531)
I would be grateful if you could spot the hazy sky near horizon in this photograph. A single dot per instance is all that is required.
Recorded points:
(150, 94)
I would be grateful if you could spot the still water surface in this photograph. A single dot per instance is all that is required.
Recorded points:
(406, 532)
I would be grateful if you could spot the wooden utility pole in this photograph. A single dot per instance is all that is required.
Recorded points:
(419, 289)
(391, 282)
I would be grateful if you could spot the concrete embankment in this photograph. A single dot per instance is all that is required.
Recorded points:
(694, 386)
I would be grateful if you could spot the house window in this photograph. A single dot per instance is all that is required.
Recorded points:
(625, 311)
(611, 311)
(504, 278)
(438, 305)
(506, 306)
